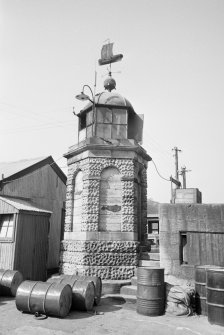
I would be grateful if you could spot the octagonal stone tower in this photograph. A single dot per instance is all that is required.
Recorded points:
(106, 203)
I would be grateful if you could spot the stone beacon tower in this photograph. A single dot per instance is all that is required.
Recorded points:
(106, 205)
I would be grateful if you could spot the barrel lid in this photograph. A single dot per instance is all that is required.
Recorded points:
(215, 269)
(206, 266)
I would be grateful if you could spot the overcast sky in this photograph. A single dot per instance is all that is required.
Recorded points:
(172, 72)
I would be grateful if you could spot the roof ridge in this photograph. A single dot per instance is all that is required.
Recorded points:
(22, 171)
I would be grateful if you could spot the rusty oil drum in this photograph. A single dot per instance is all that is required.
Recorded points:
(97, 284)
(52, 299)
(9, 282)
(215, 295)
(150, 291)
(200, 288)
(83, 292)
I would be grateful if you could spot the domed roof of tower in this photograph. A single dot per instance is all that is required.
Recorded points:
(110, 99)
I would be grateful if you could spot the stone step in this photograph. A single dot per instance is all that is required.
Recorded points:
(114, 286)
(134, 280)
(129, 290)
(150, 256)
(154, 248)
(149, 263)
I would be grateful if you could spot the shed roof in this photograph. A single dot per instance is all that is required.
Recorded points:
(21, 204)
(18, 169)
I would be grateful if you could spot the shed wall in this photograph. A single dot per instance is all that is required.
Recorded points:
(7, 255)
(32, 246)
(48, 191)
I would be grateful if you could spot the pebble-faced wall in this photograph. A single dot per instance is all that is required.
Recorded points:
(89, 248)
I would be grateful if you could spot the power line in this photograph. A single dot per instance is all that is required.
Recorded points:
(161, 157)
(156, 144)
(21, 111)
(158, 171)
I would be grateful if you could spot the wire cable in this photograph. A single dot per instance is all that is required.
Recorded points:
(158, 171)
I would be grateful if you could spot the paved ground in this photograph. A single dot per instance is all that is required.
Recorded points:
(115, 315)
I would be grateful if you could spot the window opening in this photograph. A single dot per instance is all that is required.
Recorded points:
(6, 226)
(183, 248)
(82, 122)
(153, 227)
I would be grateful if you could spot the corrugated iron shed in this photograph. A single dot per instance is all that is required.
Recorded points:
(13, 170)
(19, 204)
(24, 231)
(35, 186)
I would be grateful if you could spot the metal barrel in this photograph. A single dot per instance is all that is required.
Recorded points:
(83, 291)
(55, 279)
(97, 284)
(150, 291)
(200, 288)
(95, 279)
(52, 299)
(215, 295)
(9, 282)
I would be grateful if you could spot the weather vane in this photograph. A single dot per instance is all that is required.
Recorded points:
(107, 57)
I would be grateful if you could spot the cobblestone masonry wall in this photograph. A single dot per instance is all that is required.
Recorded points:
(109, 259)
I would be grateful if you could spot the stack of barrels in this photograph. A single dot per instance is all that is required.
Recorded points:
(150, 291)
(209, 287)
(55, 297)
(86, 290)
(58, 295)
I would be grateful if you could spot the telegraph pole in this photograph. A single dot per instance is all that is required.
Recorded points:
(176, 150)
(183, 174)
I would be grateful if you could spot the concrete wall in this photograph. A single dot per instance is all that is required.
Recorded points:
(204, 228)
(188, 195)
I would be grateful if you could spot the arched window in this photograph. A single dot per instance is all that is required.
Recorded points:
(110, 200)
(77, 202)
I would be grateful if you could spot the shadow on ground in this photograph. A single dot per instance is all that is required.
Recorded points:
(107, 304)
(4, 300)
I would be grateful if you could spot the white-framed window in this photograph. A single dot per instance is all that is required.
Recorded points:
(6, 226)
